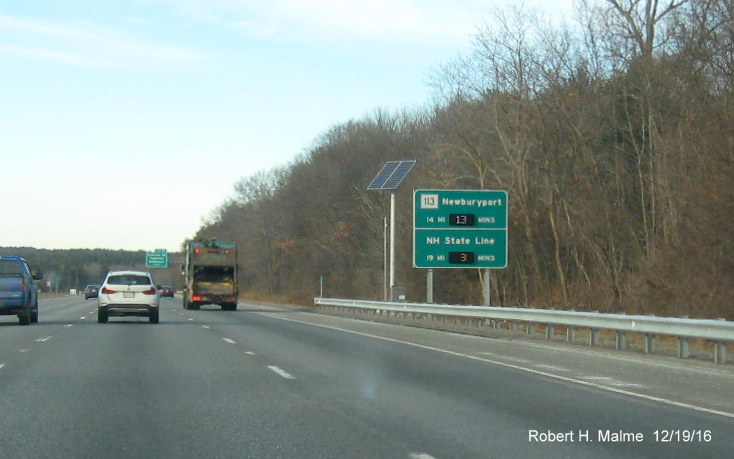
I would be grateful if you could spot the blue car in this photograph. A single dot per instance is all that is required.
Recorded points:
(18, 292)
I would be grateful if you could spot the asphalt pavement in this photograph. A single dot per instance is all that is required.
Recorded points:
(264, 381)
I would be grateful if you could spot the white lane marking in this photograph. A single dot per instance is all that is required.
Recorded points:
(92, 312)
(552, 368)
(207, 327)
(612, 381)
(43, 340)
(507, 357)
(2, 365)
(82, 317)
(230, 341)
(69, 325)
(282, 373)
(517, 367)
(249, 353)
(191, 319)
(420, 456)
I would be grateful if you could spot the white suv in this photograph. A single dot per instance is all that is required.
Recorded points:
(128, 293)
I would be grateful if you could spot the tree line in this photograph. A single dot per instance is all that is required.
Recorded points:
(613, 135)
(67, 269)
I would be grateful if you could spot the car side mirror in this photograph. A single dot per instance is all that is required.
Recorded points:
(37, 276)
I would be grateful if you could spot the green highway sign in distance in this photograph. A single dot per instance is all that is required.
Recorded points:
(460, 229)
(157, 259)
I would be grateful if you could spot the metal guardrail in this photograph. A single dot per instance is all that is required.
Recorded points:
(718, 331)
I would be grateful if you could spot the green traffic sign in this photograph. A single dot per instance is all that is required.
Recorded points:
(460, 229)
(157, 259)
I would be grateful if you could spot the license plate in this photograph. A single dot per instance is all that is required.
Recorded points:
(128, 294)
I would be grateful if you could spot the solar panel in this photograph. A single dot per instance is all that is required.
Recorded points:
(392, 173)
(383, 175)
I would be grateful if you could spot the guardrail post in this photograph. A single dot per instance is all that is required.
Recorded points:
(570, 334)
(621, 340)
(531, 327)
(649, 343)
(513, 326)
(720, 352)
(549, 329)
(683, 347)
(594, 337)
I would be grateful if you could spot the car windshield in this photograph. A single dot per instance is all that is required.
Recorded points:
(129, 279)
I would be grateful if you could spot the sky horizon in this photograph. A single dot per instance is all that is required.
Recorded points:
(126, 123)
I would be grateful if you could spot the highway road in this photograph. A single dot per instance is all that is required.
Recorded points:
(276, 382)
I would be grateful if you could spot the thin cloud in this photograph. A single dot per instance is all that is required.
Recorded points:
(88, 45)
(406, 21)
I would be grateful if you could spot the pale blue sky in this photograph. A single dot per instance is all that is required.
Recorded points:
(124, 123)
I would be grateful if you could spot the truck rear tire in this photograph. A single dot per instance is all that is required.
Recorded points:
(26, 316)
(34, 313)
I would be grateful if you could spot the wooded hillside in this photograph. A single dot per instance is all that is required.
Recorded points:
(614, 137)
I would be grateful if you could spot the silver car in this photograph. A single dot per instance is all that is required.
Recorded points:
(128, 293)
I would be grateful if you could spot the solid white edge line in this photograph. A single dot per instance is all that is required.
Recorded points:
(517, 367)
(281, 372)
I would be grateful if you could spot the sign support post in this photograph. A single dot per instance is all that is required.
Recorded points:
(429, 286)
(487, 288)
(392, 245)
(389, 177)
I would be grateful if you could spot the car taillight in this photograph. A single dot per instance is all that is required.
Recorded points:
(107, 291)
(22, 285)
(149, 292)
(196, 298)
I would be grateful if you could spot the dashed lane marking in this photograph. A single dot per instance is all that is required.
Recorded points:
(280, 372)
(230, 341)
(43, 340)
(207, 327)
